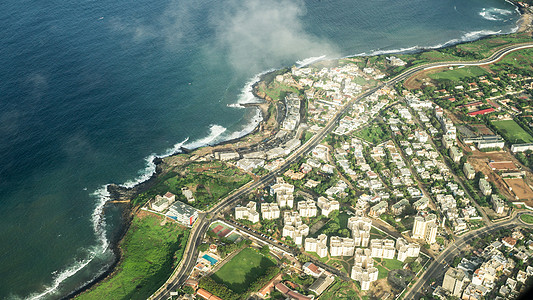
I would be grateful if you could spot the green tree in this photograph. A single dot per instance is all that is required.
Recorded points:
(265, 250)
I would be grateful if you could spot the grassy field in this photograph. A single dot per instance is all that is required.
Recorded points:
(340, 290)
(527, 218)
(522, 59)
(459, 73)
(242, 270)
(150, 252)
(512, 132)
(373, 134)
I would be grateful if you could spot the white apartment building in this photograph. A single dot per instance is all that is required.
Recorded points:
(360, 227)
(425, 227)
(327, 205)
(406, 249)
(339, 246)
(284, 193)
(270, 211)
(247, 212)
(363, 269)
(307, 208)
(318, 245)
(382, 248)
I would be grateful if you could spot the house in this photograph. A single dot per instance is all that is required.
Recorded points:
(321, 284)
(509, 241)
(188, 194)
(312, 269)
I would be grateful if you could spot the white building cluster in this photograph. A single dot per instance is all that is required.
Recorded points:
(363, 269)
(341, 246)
(382, 248)
(406, 249)
(294, 227)
(284, 193)
(425, 227)
(307, 208)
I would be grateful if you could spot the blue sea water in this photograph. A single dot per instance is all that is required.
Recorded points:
(91, 90)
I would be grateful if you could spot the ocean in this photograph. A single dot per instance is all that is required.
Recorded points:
(91, 91)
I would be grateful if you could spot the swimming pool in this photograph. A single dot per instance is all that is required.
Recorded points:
(210, 259)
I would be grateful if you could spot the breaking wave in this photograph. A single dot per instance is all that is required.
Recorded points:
(494, 14)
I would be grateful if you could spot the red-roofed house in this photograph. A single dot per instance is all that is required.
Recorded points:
(509, 241)
(481, 112)
(204, 294)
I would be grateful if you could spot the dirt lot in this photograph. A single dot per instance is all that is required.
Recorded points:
(520, 188)
(480, 161)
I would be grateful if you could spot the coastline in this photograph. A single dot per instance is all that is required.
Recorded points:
(122, 193)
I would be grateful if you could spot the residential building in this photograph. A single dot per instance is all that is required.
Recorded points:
(312, 269)
(318, 245)
(248, 212)
(360, 227)
(161, 203)
(321, 284)
(378, 209)
(363, 269)
(425, 227)
(421, 204)
(485, 187)
(327, 205)
(406, 249)
(307, 208)
(455, 280)
(455, 154)
(270, 211)
(284, 193)
(469, 171)
(399, 206)
(340, 246)
(382, 248)
(497, 204)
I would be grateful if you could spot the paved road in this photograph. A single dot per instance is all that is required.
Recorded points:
(439, 266)
(202, 224)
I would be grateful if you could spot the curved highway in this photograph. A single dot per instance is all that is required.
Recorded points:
(200, 227)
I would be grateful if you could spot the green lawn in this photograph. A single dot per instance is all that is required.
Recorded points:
(512, 132)
(459, 73)
(151, 252)
(373, 134)
(527, 218)
(243, 270)
(392, 264)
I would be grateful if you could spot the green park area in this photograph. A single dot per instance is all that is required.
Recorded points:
(209, 182)
(248, 271)
(373, 134)
(457, 74)
(512, 132)
(518, 60)
(150, 252)
(527, 218)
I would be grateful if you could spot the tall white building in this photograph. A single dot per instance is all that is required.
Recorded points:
(360, 227)
(406, 249)
(382, 248)
(339, 246)
(284, 193)
(425, 227)
(270, 211)
(318, 245)
(247, 212)
(327, 205)
(307, 208)
(294, 228)
(363, 269)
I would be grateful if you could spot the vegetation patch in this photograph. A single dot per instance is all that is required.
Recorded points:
(374, 134)
(150, 253)
(527, 218)
(512, 132)
(458, 74)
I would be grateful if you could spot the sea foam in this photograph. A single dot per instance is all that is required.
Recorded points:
(494, 14)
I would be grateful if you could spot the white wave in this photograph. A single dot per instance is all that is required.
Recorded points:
(466, 37)
(246, 96)
(309, 60)
(215, 131)
(254, 121)
(98, 221)
(494, 14)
